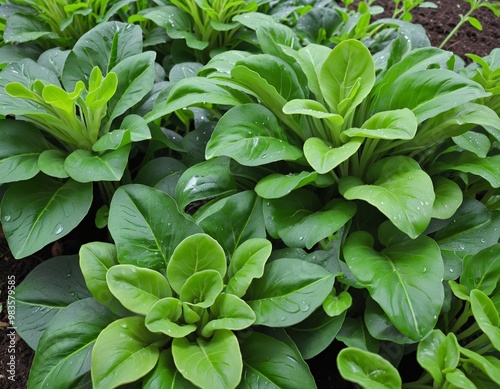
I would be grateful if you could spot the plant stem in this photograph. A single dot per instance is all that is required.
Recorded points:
(463, 19)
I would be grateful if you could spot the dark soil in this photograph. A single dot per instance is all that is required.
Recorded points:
(438, 23)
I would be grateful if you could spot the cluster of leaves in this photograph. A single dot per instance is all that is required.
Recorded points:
(289, 193)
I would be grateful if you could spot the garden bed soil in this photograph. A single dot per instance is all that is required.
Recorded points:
(438, 23)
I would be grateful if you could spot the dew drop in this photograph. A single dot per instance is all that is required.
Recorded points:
(6, 218)
(425, 269)
(59, 228)
(451, 270)
(123, 325)
(483, 240)
(462, 247)
(301, 238)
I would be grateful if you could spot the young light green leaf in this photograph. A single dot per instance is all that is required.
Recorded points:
(86, 166)
(195, 253)
(346, 76)
(231, 313)
(124, 352)
(37, 304)
(215, 363)
(32, 219)
(448, 197)
(288, 292)
(400, 189)
(405, 279)
(20, 147)
(63, 353)
(487, 364)
(438, 353)
(137, 289)
(486, 316)
(474, 142)
(276, 185)
(487, 168)
(311, 108)
(369, 370)
(396, 124)
(146, 226)
(247, 263)
(335, 305)
(202, 288)
(51, 162)
(163, 316)
(323, 157)
(251, 135)
(269, 362)
(96, 259)
(458, 378)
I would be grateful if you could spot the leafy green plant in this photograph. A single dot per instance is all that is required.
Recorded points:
(69, 134)
(474, 5)
(169, 294)
(403, 8)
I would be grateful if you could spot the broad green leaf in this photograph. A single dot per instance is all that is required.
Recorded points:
(314, 334)
(448, 197)
(47, 289)
(20, 147)
(274, 77)
(323, 157)
(215, 363)
(86, 166)
(405, 279)
(482, 270)
(96, 259)
(487, 364)
(184, 70)
(233, 219)
(205, 180)
(458, 379)
(355, 334)
(195, 253)
(230, 313)
(272, 363)
(137, 289)
(32, 219)
(202, 288)
(474, 142)
(400, 189)
(63, 354)
(112, 141)
(486, 316)
(367, 369)
(164, 314)
(251, 135)
(104, 46)
(196, 90)
(124, 352)
(51, 162)
(438, 353)
(146, 226)
(246, 264)
(276, 185)
(346, 76)
(137, 126)
(24, 27)
(439, 91)
(297, 220)
(487, 168)
(273, 36)
(166, 375)
(136, 75)
(288, 292)
(396, 124)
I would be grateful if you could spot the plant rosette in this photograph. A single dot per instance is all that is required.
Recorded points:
(164, 304)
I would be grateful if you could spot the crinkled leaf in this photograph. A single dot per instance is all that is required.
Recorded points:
(137, 288)
(32, 219)
(124, 352)
(405, 279)
(251, 135)
(195, 253)
(288, 292)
